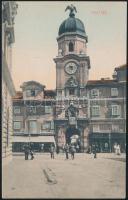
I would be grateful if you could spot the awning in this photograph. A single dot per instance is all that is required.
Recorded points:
(42, 139)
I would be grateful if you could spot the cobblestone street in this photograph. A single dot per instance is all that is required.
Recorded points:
(83, 177)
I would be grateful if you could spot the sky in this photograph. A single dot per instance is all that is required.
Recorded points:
(36, 29)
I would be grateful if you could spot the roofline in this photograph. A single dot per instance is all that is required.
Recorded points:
(24, 84)
(120, 67)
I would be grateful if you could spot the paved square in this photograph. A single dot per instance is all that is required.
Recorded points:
(83, 177)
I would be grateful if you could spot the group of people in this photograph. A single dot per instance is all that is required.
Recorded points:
(67, 148)
(94, 148)
(28, 151)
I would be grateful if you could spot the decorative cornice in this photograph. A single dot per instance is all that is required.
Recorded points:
(73, 34)
(9, 10)
(73, 56)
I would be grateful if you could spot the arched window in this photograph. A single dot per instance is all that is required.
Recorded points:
(71, 47)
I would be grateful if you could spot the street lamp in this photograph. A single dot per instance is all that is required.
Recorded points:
(29, 140)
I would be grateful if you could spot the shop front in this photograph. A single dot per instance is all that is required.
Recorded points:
(105, 141)
(38, 143)
(101, 140)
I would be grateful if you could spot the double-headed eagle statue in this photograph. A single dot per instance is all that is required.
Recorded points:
(72, 8)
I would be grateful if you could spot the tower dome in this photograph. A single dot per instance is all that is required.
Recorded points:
(72, 24)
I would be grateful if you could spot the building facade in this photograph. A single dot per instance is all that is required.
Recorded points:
(33, 121)
(9, 9)
(83, 112)
(107, 101)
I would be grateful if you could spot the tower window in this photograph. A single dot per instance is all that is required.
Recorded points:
(71, 47)
(72, 91)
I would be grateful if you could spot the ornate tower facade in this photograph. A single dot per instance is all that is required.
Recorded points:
(72, 62)
(72, 71)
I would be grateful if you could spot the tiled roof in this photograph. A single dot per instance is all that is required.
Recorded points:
(101, 81)
(50, 93)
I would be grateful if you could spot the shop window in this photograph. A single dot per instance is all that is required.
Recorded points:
(71, 47)
(114, 92)
(95, 111)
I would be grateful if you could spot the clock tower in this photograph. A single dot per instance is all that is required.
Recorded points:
(72, 62)
(72, 69)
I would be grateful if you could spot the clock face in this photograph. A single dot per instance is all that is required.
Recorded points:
(70, 68)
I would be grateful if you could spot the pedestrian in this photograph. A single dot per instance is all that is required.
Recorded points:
(89, 150)
(77, 148)
(52, 149)
(57, 150)
(42, 147)
(72, 150)
(31, 153)
(106, 146)
(118, 149)
(26, 151)
(66, 148)
(94, 150)
(115, 148)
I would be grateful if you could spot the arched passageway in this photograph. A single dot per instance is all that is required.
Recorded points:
(70, 132)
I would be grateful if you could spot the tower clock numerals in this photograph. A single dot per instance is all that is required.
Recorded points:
(70, 68)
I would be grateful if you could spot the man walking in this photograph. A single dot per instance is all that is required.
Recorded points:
(72, 150)
(52, 149)
(94, 150)
(66, 148)
(31, 153)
